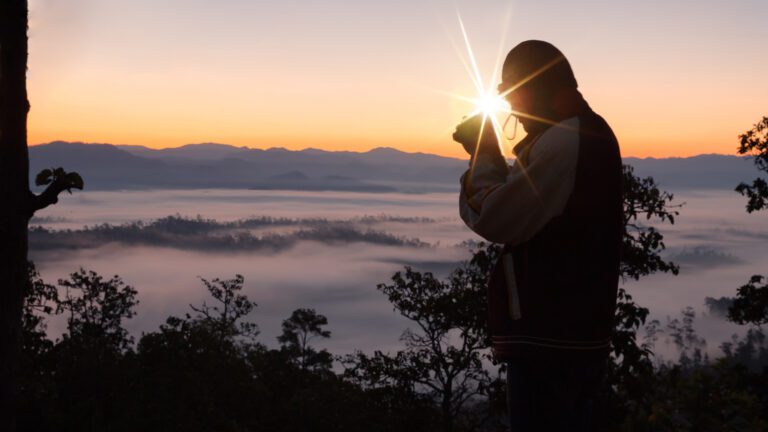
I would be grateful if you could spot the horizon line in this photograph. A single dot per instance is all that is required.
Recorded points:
(341, 151)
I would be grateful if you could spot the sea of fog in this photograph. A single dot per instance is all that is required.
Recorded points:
(717, 244)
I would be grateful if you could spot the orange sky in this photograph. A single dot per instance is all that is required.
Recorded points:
(673, 80)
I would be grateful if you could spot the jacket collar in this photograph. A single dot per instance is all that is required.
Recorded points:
(568, 104)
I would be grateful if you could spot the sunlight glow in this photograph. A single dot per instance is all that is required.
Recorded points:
(486, 101)
(490, 105)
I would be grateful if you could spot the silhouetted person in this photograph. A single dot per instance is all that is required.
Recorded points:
(558, 211)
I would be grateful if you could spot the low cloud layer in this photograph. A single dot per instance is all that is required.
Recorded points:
(338, 281)
(336, 272)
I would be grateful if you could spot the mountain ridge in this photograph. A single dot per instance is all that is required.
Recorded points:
(382, 169)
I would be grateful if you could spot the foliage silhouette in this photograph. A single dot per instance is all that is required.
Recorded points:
(207, 370)
(750, 351)
(88, 360)
(643, 200)
(224, 319)
(626, 387)
(193, 369)
(203, 371)
(447, 354)
(40, 299)
(751, 302)
(95, 308)
(754, 142)
(684, 336)
(298, 330)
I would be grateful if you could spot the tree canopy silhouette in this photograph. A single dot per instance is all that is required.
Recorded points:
(751, 302)
(298, 330)
(754, 143)
(446, 355)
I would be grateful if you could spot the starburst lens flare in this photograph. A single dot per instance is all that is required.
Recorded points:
(490, 105)
(486, 102)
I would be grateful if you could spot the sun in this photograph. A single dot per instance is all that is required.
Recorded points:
(490, 105)
(486, 101)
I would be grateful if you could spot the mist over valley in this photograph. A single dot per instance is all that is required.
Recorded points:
(329, 249)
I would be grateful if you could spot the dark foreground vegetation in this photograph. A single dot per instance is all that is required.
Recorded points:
(209, 370)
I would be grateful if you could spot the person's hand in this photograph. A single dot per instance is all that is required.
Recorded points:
(468, 132)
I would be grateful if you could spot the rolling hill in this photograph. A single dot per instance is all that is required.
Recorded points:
(210, 165)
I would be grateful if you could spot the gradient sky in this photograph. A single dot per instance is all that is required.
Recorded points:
(674, 78)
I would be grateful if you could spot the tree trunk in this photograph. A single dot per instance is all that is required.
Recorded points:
(446, 408)
(15, 193)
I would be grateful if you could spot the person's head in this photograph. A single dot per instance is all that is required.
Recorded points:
(541, 80)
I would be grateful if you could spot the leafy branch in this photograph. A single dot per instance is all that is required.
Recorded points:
(57, 181)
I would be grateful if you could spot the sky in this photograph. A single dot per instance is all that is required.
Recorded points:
(673, 78)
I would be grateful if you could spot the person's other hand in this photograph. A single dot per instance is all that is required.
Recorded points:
(468, 132)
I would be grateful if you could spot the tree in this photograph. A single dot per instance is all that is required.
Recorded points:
(225, 317)
(642, 244)
(89, 360)
(684, 336)
(446, 355)
(640, 256)
(750, 351)
(96, 308)
(40, 299)
(629, 375)
(19, 202)
(36, 378)
(751, 302)
(298, 330)
(754, 142)
(194, 373)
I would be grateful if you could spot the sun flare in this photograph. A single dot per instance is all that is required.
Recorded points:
(491, 105)
(485, 101)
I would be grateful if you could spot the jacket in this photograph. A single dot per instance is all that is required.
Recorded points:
(558, 209)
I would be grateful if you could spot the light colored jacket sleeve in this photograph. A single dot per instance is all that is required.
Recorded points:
(512, 206)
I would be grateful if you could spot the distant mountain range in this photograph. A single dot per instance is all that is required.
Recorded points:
(209, 165)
